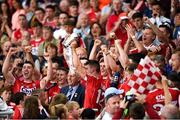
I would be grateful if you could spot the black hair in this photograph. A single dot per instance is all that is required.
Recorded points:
(40, 9)
(29, 62)
(64, 69)
(88, 113)
(94, 63)
(136, 111)
(50, 7)
(156, 3)
(97, 24)
(18, 97)
(64, 13)
(137, 15)
(174, 76)
(22, 15)
(73, 3)
(168, 29)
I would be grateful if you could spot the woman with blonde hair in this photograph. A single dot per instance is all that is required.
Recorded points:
(59, 111)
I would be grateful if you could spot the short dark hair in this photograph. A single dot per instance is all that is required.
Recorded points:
(22, 15)
(156, 3)
(40, 9)
(137, 15)
(29, 62)
(50, 7)
(168, 29)
(64, 13)
(88, 113)
(73, 3)
(94, 63)
(18, 97)
(63, 69)
(136, 111)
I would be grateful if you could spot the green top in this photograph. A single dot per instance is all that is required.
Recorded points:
(42, 46)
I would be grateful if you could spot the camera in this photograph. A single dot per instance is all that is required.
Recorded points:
(130, 98)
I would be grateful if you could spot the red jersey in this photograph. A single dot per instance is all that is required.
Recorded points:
(105, 83)
(28, 88)
(93, 93)
(155, 98)
(17, 114)
(54, 90)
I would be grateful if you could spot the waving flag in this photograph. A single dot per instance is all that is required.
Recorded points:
(144, 77)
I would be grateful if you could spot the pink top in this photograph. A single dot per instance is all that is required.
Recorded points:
(14, 21)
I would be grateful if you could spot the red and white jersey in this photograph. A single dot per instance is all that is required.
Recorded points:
(28, 88)
(35, 44)
(155, 98)
(93, 93)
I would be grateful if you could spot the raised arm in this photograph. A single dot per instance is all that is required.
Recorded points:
(131, 33)
(45, 80)
(93, 53)
(123, 58)
(167, 94)
(156, 30)
(6, 66)
(28, 57)
(111, 63)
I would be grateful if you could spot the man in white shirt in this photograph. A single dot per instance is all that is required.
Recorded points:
(158, 19)
(112, 101)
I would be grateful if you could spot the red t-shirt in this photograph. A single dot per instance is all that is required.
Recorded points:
(105, 83)
(93, 93)
(28, 88)
(17, 114)
(155, 98)
(54, 90)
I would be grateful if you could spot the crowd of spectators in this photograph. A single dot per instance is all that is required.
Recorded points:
(45, 76)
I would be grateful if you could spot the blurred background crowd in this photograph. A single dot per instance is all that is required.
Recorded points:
(73, 59)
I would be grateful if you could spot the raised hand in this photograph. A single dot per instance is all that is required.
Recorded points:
(97, 42)
(104, 48)
(130, 31)
(12, 51)
(117, 42)
(28, 49)
(112, 35)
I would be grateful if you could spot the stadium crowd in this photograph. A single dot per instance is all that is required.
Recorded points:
(90, 59)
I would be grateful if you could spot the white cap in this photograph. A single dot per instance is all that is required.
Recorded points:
(112, 91)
